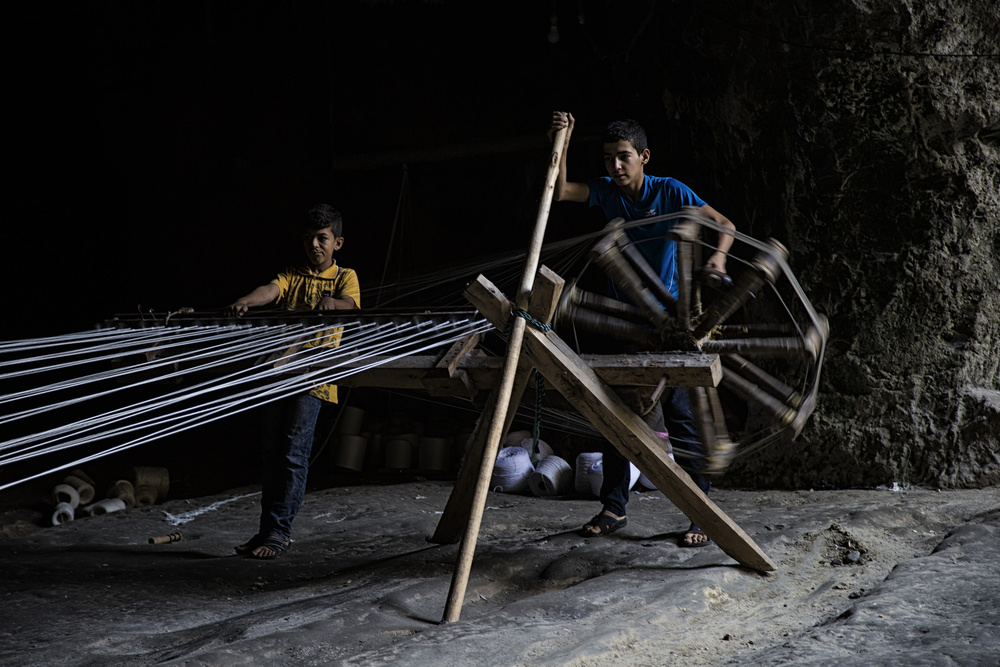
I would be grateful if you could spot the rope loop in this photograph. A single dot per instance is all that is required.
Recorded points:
(537, 427)
(520, 312)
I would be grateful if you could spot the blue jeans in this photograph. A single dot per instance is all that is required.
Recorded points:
(672, 414)
(289, 427)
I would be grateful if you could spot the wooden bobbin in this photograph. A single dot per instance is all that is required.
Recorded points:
(165, 539)
(124, 491)
(145, 495)
(157, 478)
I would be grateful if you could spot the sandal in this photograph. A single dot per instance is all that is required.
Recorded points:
(275, 544)
(252, 543)
(605, 525)
(693, 530)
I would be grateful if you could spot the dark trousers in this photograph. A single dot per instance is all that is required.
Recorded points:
(288, 431)
(673, 415)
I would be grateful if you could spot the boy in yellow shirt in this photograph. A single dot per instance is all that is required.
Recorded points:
(290, 423)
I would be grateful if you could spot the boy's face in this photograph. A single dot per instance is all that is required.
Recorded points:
(624, 164)
(320, 244)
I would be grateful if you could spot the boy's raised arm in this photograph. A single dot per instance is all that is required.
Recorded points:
(566, 191)
(717, 260)
(261, 296)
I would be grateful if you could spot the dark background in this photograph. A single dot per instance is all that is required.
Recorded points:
(157, 151)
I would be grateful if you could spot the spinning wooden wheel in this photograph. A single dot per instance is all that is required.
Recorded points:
(769, 337)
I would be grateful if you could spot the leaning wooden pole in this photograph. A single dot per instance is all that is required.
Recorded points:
(467, 549)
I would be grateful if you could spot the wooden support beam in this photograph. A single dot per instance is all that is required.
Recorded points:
(623, 428)
(644, 369)
(545, 295)
(445, 379)
(456, 512)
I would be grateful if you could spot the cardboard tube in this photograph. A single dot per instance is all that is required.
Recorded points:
(398, 454)
(105, 506)
(81, 475)
(62, 514)
(351, 452)
(65, 494)
(350, 420)
(435, 454)
(84, 488)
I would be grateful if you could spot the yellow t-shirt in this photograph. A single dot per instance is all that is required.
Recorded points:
(301, 289)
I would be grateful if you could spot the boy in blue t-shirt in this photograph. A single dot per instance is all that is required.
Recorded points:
(628, 192)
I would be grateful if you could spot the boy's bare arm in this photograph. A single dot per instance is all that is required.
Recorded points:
(333, 303)
(566, 191)
(717, 260)
(262, 296)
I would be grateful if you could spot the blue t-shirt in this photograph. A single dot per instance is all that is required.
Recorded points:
(660, 196)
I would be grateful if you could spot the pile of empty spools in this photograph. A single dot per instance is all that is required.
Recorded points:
(399, 445)
(524, 466)
(74, 497)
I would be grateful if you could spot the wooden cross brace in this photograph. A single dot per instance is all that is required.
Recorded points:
(580, 385)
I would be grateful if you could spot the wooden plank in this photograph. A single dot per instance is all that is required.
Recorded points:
(448, 364)
(624, 429)
(459, 384)
(545, 295)
(644, 369)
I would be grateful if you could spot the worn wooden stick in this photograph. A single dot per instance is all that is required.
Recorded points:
(466, 551)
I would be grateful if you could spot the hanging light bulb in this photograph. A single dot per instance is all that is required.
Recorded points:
(554, 30)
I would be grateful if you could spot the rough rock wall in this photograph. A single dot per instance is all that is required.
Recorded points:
(866, 136)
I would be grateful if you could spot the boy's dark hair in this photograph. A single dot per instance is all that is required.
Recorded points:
(324, 215)
(626, 130)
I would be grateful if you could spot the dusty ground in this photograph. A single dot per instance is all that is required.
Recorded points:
(363, 586)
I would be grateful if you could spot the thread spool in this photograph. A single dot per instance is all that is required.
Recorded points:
(584, 463)
(165, 539)
(435, 454)
(65, 494)
(644, 481)
(158, 478)
(375, 452)
(105, 506)
(62, 514)
(634, 475)
(595, 475)
(83, 488)
(511, 470)
(414, 439)
(529, 444)
(398, 454)
(79, 474)
(515, 437)
(349, 421)
(124, 491)
(553, 476)
(145, 496)
(351, 452)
